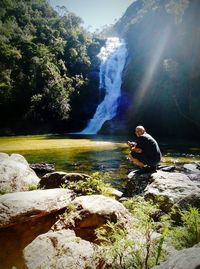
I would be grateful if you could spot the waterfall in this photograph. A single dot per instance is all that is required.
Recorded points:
(113, 57)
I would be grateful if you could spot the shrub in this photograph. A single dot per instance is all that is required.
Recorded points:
(95, 184)
(126, 252)
(188, 234)
(4, 190)
(32, 187)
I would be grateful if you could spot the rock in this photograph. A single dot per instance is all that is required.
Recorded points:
(191, 168)
(194, 177)
(191, 200)
(183, 259)
(23, 206)
(92, 212)
(137, 183)
(100, 209)
(15, 238)
(170, 168)
(61, 249)
(42, 168)
(54, 180)
(116, 193)
(169, 188)
(24, 216)
(15, 174)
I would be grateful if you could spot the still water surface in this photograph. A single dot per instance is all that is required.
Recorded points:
(87, 154)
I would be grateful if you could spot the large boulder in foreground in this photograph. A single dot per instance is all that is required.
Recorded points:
(92, 212)
(24, 216)
(61, 249)
(183, 259)
(24, 206)
(171, 188)
(15, 174)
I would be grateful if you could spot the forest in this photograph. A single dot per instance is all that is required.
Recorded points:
(46, 64)
(49, 69)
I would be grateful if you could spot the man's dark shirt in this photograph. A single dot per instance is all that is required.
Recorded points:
(150, 154)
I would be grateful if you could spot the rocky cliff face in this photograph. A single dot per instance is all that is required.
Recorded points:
(161, 79)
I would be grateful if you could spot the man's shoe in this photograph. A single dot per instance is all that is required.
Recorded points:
(152, 169)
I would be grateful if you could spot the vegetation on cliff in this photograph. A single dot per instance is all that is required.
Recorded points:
(45, 66)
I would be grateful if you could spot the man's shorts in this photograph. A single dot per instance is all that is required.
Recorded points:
(143, 158)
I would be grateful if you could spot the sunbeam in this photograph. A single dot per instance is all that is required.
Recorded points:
(153, 64)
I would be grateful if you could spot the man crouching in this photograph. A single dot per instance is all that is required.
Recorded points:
(145, 152)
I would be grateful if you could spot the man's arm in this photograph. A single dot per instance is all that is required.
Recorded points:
(133, 147)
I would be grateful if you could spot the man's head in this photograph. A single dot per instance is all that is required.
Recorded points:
(139, 130)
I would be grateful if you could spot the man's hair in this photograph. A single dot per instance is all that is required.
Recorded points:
(140, 127)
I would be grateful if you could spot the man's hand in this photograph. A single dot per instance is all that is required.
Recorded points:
(133, 147)
(131, 144)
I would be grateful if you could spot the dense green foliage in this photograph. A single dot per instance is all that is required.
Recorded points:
(161, 80)
(45, 61)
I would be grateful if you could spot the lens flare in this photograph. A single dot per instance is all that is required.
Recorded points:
(157, 56)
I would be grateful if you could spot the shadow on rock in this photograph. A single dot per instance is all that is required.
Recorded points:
(15, 238)
(137, 182)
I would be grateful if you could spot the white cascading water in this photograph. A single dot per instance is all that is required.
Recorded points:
(113, 57)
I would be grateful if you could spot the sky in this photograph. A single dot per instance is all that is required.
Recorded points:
(95, 13)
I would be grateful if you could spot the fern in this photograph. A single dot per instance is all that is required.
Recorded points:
(95, 184)
(188, 234)
(160, 245)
